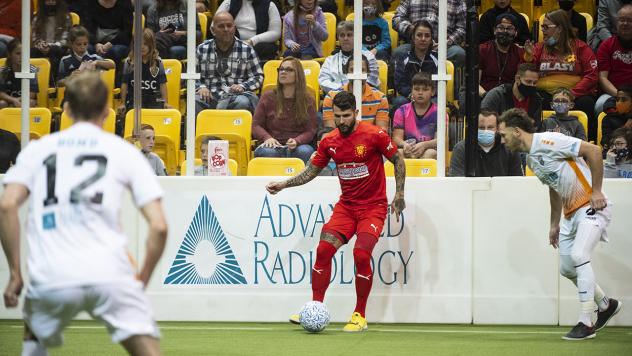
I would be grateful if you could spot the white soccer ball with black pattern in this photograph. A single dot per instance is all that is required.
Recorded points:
(314, 316)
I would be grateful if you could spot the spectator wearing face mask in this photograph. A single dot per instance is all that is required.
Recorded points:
(522, 94)
(578, 21)
(621, 117)
(487, 25)
(492, 158)
(499, 58)
(618, 163)
(563, 102)
(564, 61)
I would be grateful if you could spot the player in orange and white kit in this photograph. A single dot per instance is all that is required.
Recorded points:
(357, 148)
(573, 170)
(78, 259)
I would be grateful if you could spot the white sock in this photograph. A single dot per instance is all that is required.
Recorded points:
(33, 348)
(601, 299)
(588, 312)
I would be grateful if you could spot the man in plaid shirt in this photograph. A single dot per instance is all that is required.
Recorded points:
(229, 69)
(410, 11)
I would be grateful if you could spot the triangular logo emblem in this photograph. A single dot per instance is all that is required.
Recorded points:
(205, 257)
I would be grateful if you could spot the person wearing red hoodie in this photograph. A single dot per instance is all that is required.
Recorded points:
(564, 61)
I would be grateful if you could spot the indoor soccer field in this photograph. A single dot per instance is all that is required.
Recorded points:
(179, 338)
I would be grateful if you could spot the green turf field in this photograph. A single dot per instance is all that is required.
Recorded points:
(183, 338)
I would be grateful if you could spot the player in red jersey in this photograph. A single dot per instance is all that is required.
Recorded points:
(357, 148)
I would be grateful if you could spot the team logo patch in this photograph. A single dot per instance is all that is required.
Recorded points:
(360, 150)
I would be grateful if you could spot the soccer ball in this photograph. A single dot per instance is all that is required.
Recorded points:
(314, 316)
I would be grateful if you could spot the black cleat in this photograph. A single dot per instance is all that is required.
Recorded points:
(604, 317)
(580, 332)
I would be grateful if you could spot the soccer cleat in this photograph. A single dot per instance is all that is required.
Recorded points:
(295, 319)
(356, 324)
(604, 317)
(580, 332)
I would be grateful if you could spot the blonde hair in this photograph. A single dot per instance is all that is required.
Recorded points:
(149, 40)
(300, 92)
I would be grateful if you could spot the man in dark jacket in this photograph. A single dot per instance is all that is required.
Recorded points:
(488, 22)
(492, 158)
(521, 94)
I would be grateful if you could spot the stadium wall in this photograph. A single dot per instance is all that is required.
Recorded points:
(468, 250)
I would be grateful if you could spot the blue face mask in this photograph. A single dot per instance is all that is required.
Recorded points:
(551, 41)
(486, 137)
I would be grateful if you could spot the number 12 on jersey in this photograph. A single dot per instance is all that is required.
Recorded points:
(75, 193)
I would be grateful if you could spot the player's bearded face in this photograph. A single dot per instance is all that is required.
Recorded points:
(345, 121)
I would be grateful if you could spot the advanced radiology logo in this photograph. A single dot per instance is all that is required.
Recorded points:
(205, 257)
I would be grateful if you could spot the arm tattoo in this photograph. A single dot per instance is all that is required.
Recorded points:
(400, 171)
(310, 172)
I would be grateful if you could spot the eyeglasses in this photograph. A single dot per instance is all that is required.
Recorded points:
(285, 69)
(624, 20)
(546, 27)
(561, 101)
(505, 28)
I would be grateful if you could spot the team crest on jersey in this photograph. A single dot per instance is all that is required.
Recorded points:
(360, 150)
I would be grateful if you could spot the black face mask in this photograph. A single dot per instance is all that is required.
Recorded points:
(504, 39)
(566, 5)
(622, 153)
(527, 90)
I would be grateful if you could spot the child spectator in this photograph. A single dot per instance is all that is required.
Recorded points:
(618, 163)
(621, 117)
(49, 32)
(563, 102)
(375, 35)
(11, 87)
(154, 79)
(147, 137)
(79, 59)
(415, 123)
(304, 30)
(203, 169)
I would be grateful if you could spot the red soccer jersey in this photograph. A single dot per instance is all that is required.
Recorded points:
(359, 162)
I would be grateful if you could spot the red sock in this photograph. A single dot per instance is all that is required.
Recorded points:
(321, 272)
(364, 278)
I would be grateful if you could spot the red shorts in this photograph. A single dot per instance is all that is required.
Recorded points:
(348, 221)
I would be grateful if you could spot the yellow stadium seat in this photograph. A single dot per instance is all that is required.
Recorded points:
(383, 75)
(599, 127)
(589, 20)
(341, 8)
(43, 75)
(109, 125)
(580, 115)
(414, 168)
(39, 123)
(388, 16)
(203, 23)
(75, 18)
(183, 167)
(166, 123)
(449, 68)
(311, 69)
(272, 166)
(173, 71)
(232, 166)
(234, 126)
(529, 172)
(330, 43)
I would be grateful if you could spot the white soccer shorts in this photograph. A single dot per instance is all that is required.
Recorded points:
(122, 307)
(569, 227)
